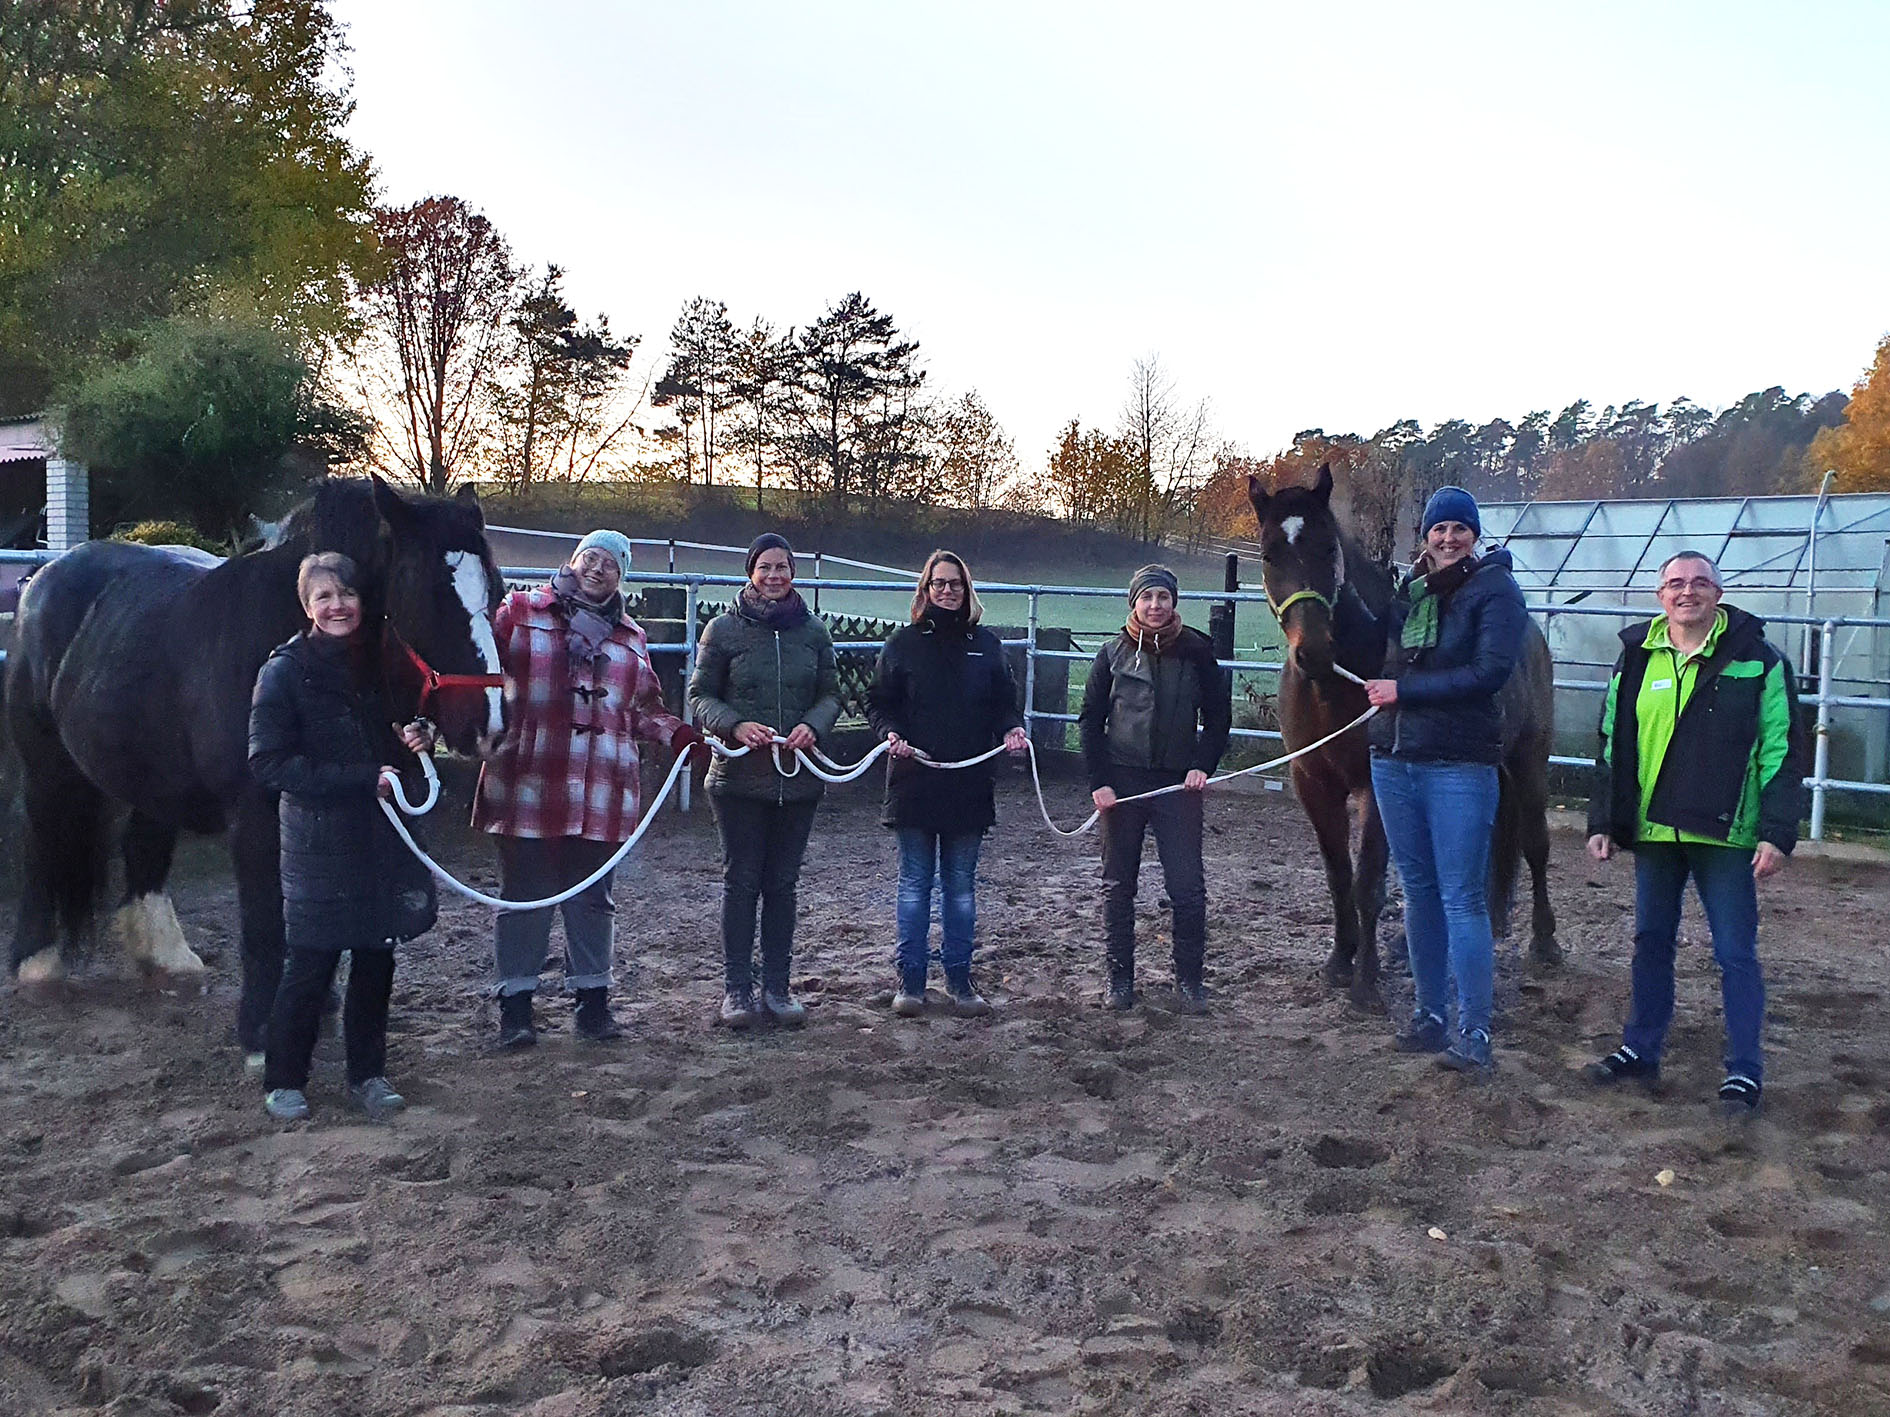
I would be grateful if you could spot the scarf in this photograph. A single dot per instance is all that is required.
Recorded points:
(1161, 641)
(588, 623)
(776, 615)
(1427, 594)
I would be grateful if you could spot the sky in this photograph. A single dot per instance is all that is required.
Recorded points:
(1329, 216)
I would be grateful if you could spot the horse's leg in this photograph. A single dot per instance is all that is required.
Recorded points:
(1369, 894)
(255, 847)
(1533, 810)
(60, 866)
(146, 922)
(1325, 801)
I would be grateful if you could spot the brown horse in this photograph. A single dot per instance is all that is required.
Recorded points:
(1331, 600)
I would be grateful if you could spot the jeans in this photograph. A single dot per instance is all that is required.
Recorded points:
(1438, 818)
(531, 868)
(1176, 818)
(763, 844)
(1723, 877)
(296, 1017)
(951, 858)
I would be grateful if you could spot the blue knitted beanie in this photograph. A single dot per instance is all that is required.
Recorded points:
(1451, 504)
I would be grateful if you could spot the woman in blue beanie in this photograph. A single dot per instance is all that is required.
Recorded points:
(1456, 627)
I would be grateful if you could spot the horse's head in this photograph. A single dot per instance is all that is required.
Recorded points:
(440, 587)
(1302, 565)
(427, 575)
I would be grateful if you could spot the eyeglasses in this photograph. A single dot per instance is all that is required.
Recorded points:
(943, 585)
(1698, 584)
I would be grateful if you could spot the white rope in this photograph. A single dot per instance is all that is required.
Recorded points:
(817, 763)
(446, 878)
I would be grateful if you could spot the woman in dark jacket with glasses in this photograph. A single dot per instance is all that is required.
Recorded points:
(944, 688)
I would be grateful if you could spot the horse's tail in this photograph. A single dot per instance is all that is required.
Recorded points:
(61, 820)
(1505, 850)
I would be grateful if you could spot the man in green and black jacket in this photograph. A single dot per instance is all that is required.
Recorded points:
(1700, 773)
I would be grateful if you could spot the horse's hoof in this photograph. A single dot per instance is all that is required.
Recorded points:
(152, 939)
(1545, 951)
(1338, 975)
(46, 967)
(1364, 995)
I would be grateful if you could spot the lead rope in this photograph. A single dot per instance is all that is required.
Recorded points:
(816, 762)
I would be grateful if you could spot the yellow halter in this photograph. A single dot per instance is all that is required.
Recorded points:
(1280, 607)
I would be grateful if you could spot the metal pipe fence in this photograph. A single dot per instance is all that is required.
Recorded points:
(1823, 700)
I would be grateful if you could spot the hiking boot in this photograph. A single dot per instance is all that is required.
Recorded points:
(1624, 1064)
(515, 1021)
(1121, 996)
(377, 1098)
(909, 1002)
(286, 1104)
(967, 1002)
(1739, 1098)
(738, 1007)
(1190, 996)
(1423, 1034)
(781, 1006)
(594, 1020)
(1469, 1054)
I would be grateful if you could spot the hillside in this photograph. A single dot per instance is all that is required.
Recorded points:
(1000, 546)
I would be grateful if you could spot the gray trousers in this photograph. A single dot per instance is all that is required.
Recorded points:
(531, 868)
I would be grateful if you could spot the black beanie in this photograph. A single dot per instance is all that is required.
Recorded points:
(767, 541)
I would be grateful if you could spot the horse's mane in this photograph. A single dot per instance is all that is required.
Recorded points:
(1371, 580)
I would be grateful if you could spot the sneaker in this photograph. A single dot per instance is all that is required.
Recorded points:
(1469, 1054)
(286, 1104)
(1739, 1098)
(1624, 1064)
(1190, 996)
(1423, 1034)
(377, 1098)
(967, 1002)
(781, 1006)
(738, 1008)
(594, 1020)
(515, 1021)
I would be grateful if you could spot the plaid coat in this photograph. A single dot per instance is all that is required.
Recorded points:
(567, 765)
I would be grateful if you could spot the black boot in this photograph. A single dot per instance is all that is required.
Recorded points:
(1190, 993)
(515, 1021)
(1121, 996)
(593, 1016)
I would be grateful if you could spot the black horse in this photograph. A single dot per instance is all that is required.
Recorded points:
(127, 695)
(1331, 600)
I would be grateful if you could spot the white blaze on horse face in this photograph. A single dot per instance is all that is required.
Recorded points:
(469, 582)
(1292, 526)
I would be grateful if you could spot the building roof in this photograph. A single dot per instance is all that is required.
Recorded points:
(24, 440)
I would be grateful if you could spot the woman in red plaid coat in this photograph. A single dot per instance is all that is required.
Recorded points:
(561, 791)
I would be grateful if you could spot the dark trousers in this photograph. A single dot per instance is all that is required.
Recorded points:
(296, 1018)
(1176, 818)
(532, 868)
(1723, 877)
(763, 844)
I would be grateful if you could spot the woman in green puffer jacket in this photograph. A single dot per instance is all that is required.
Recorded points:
(764, 669)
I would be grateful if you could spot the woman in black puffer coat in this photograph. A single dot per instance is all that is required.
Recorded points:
(944, 688)
(321, 735)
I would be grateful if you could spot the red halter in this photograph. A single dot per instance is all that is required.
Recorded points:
(433, 682)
